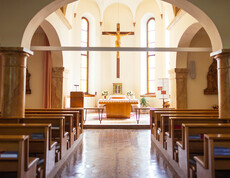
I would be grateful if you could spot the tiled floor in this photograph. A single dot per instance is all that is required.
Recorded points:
(114, 153)
(92, 119)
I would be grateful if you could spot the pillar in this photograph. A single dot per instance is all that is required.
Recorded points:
(57, 87)
(223, 71)
(14, 61)
(178, 85)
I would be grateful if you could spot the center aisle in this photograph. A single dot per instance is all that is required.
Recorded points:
(116, 153)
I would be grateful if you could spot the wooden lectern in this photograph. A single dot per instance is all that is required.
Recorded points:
(76, 99)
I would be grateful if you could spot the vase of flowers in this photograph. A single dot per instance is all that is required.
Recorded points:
(105, 93)
(129, 94)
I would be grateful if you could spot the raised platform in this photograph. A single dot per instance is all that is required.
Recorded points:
(93, 119)
(101, 126)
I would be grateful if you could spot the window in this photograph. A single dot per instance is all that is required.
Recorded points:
(151, 61)
(84, 55)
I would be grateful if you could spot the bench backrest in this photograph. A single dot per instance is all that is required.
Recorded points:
(201, 129)
(175, 123)
(27, 129)
(14, 148)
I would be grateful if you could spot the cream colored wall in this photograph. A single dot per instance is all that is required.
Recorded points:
(128, 72)
(196, 97)
(35, 67)
(176, 33)
(90, 10)
(146, 10)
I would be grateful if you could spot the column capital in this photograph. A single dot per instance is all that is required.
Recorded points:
(16, 49)
(179, 72)
(220, 52)
(58, 72)
(58, 69)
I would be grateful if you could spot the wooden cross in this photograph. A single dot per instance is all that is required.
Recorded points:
(118, 35)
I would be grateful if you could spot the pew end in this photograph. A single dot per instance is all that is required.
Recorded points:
(14, 157)
(216, 159)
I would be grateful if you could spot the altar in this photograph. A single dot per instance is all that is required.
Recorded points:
(118, 107)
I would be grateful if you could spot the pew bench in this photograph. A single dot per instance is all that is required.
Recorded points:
(57, 130)
(78, 116)
(216, 159)
(192, 143)
(174, 130)
(153, 118)
(14, 157)
(80, 111)
(157, 117)
(69, 125)
(39, 142)
(164, 123)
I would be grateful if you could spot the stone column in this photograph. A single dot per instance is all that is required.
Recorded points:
(57, 98)
(223, 69)
(14, 61)
(178, 85)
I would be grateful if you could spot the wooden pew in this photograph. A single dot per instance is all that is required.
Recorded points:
(164, 123)
(43, 146)
(17, 162)
(57, 129)
(69, 127)
(157, 116)
(78, 115)
(216, 156)
(152, 117)
(174, 130)
(192, 142)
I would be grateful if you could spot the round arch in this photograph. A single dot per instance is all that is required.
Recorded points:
(39, 18)
(185, 40)
(54, 40)
(203, 19)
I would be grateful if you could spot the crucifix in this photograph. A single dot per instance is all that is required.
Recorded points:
(118, 35)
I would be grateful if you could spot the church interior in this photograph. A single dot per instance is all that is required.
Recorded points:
(111, 88)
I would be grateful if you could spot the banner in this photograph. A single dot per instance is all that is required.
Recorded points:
(162, 88)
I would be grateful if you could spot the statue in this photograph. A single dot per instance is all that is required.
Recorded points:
(28, 90)
(118, 35)
(212, 88)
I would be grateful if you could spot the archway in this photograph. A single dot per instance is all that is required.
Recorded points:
(185, 40)
(53, 38)
(203, 19)
(39, 18)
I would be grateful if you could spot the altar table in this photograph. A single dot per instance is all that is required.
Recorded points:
(118, 108)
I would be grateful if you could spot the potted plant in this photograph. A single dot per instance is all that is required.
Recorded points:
(144, 102)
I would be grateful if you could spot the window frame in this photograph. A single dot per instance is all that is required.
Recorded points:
(148, 55)
(87, 56)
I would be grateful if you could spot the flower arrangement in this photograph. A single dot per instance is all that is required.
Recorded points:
(129, 93)
(105, 93)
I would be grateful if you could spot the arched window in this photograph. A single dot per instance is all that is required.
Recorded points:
(151, 63)
(84, 55)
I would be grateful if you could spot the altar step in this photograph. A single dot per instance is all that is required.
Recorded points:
(101, 126)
